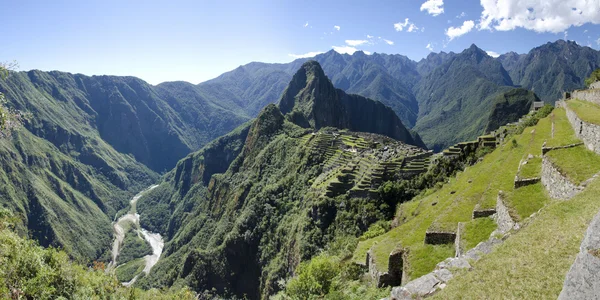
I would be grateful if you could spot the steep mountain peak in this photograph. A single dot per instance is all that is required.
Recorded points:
(475, 52)
(311, 101)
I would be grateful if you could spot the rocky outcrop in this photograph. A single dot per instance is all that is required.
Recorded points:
(583, 279)
(587, 132)
(557, 184)
(595, 85)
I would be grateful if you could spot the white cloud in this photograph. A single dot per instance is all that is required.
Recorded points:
(337, 27)
(347, 50)
(492, 54)
(433, 7)
(462, 15)
(429, 47)
(410, 27)
(369, 36)
(306, 55)
(344, 49)
(541, 16)
(585, 31)
(356, 42)
(566, 34)
(388, 42)
(306, 25)
(454, 32)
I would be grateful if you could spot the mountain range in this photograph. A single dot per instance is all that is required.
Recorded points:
(251, 160)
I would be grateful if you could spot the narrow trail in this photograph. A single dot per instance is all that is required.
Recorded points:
(124, 224)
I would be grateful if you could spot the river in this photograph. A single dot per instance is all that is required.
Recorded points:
(131, 221)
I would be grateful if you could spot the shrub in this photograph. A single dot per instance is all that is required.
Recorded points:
(313, 278)
(595, 76)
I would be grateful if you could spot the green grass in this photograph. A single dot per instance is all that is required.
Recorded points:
(563, 131)
(526, 200)
(476, 231)
(577, 163)
(127, 271)
(586, 111)
(531, 169)
(496, 172)
(423, 258)
(533, 262)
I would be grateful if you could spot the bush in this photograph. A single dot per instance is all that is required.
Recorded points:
(313, 278)
(595, 76)
(376, 229)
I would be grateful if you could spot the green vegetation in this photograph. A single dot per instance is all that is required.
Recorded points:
(594, 77)
(477, 186)
(375, 229)
(10, 119)
(533, 262)
(526, 200)
(127, 271)
(28, 271)
(476, 231)
(577, 163)
(532, 168)
(563, 131)
(314, 278)
(585, 110)
(134, 246)
(538, 71)
(532, 119)
(472, 80)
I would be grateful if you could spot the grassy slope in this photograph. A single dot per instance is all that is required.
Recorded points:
(586, 111)
(578, 163)
(496, 172)
(534, 261)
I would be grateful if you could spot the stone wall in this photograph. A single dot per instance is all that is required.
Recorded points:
(588, 133)
(587, 95)
(595, 85)
(394, 275)
(520, 182)
(482, 213)
(557, 185)
(503, 219)
(438, 238)
(583, 279)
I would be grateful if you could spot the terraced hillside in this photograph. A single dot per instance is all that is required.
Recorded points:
(509, 227)
(358, 163)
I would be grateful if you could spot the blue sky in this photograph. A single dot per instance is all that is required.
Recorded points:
(198, 40)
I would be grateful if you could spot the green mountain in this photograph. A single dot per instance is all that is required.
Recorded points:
(312, 101)
(553, 68)
(456, 99)
(92, 143)
(240, 214)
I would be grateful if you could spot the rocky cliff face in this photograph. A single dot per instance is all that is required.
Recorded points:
(312, 101)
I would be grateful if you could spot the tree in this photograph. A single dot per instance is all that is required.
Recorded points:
(10, 119)
(595, 76)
